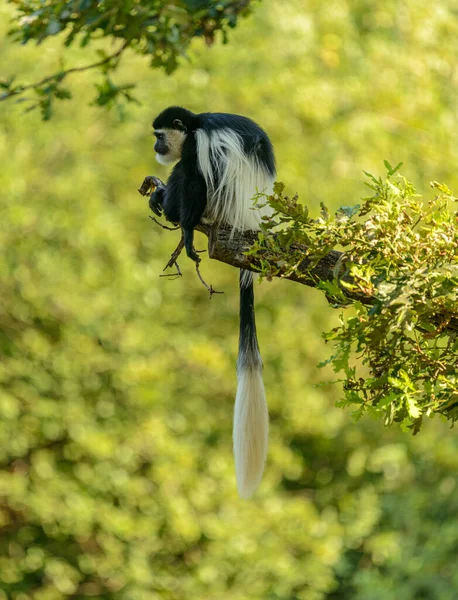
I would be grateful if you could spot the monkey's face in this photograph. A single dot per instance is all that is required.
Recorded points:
(169, 144)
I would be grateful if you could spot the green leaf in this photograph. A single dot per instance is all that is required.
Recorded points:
(412, 407)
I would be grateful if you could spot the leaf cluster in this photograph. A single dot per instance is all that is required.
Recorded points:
(400, 260)
(162, 31)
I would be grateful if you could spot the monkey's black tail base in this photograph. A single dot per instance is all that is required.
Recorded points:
(251, 419)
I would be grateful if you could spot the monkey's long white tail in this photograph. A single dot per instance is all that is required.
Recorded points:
(251, 419)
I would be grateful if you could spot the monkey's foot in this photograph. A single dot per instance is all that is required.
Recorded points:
(194, 256)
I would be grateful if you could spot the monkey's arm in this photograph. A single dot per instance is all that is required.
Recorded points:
(184, 206)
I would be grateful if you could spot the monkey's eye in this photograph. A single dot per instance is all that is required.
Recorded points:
(159, 136)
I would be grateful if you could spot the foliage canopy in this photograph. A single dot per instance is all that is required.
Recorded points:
(402, 257)
(159, 30)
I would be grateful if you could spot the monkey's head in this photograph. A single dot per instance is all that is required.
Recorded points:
(171, 128)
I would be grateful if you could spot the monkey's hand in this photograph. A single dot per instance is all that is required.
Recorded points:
(155, 201)
(150, 184)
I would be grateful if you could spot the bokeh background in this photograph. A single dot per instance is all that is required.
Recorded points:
(117, 386)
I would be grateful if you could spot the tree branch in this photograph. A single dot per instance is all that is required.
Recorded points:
(59, 77)
(230, 248)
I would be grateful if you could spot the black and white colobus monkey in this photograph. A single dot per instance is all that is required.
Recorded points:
(223, 161)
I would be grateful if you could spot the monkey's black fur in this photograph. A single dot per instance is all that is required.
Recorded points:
(184, 199)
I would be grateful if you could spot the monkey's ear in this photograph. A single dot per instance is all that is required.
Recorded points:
(179, 125)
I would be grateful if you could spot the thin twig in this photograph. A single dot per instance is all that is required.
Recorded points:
(174, 275)
(443, 325)
(169, 228)
(175, 254)
(62, 75)
(209, 287)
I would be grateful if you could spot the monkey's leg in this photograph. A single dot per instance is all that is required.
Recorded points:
(188, 235)
(192, 206)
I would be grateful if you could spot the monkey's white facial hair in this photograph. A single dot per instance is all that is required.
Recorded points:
(174, 140)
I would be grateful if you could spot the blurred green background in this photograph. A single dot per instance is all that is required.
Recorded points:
(117, 387)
